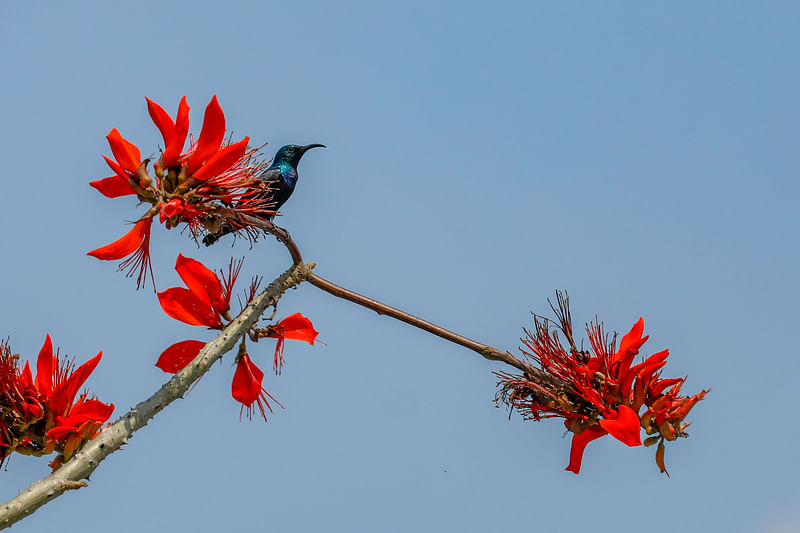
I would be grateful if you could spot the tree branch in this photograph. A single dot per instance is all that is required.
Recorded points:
(73, 473)
(486, 351)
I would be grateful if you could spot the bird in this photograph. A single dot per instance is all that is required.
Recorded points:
(280, 179)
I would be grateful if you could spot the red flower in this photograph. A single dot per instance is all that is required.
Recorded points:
(295, 327)
(205, 301)
(126, 167)
(246, 387)
(136, 244)
(49, 398)
(201, 185)
(247, 381)
(599, 391)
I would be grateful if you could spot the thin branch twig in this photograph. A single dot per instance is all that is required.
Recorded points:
(486, 351)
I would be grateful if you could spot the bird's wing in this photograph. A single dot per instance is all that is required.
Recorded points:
(271, 175)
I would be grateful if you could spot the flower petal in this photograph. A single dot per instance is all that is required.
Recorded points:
(45, 367)
(246, 385)
(115, 167)
(579, 442)
(94, 410)
(161, 119)
(125, 245)
(26, 375)
(210, 136)
(201, 281)
(177, 356)
(299, 328)
(60, 432)
(182, 304)
(630, 344)
(661, 385)
(624, 426)
(113, 187)
(64, 393)
(126, 153)
(223, 160)
(174, 146)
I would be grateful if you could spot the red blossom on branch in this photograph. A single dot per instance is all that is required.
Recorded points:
(205, 185)
(247, 387)
(295, 327)
(42, 414)
(598, 391)
(206, 302)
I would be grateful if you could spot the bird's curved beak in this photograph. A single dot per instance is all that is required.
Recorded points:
(310, 146)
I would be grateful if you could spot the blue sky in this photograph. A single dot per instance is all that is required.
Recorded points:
(480, 157)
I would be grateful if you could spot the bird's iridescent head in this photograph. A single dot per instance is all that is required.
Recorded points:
(291, 153)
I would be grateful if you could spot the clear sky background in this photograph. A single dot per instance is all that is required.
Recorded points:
(480, 156)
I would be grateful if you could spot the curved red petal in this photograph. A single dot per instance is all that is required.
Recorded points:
(64, 393)
(44, 367)
(631, 341)
(94, 410)
(624, 426)
(161, 119)
(662, 384)
(174, 146)
(299, 328)
(115, 167)
(223, 160)
(182, 304)
(60, 432)
(113, 187)
(126, 153)
(125, 245)
(211, 135)
(246, 385)
(201, 281)
(27, 376)
(579, 442)
(177, 356)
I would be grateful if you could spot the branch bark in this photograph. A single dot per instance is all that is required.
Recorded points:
(73, 473)
(486, 351)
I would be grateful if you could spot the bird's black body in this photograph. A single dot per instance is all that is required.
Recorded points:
(280, 179)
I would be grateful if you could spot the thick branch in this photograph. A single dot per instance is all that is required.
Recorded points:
(73, 473)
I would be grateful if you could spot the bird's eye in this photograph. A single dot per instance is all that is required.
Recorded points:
(290, 150)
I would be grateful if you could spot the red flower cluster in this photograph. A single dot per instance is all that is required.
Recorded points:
(211, 182)
(206, 302)
(39, 415)
(601, 391)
